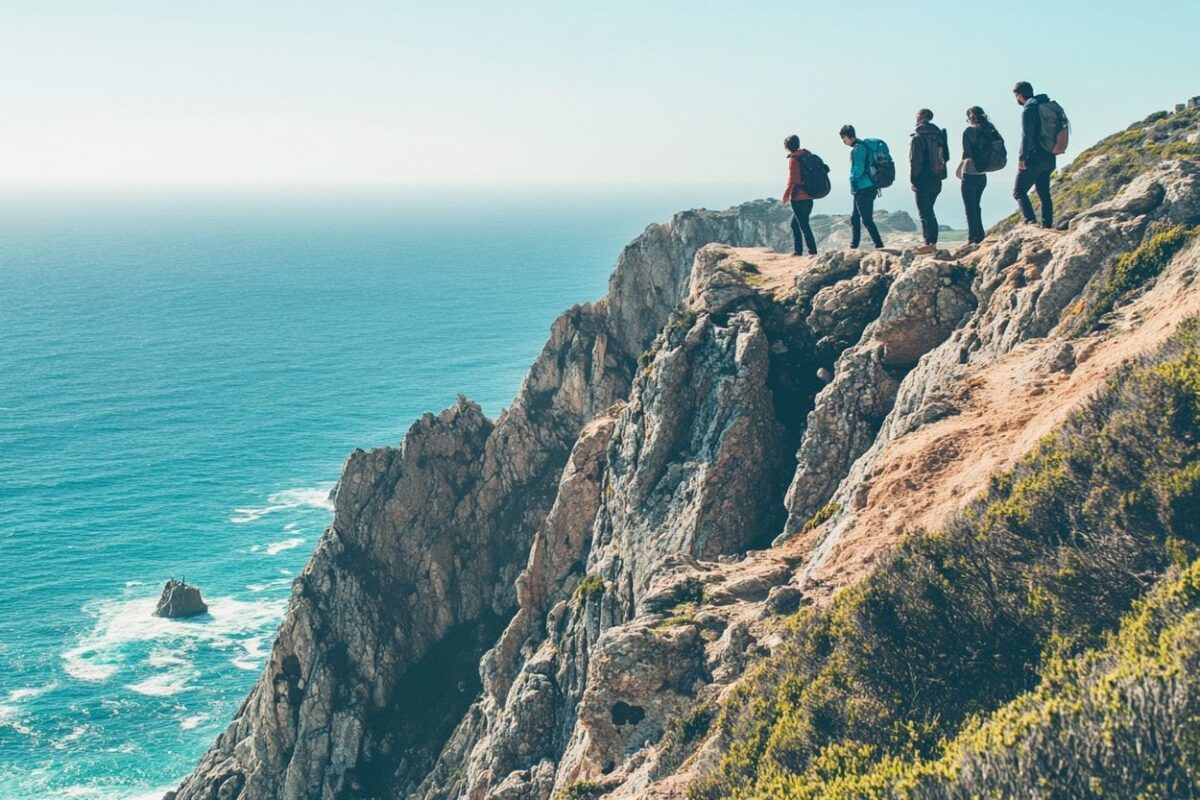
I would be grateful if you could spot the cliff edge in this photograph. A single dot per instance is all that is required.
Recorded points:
(580, 598)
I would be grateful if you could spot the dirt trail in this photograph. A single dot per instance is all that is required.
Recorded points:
(925, 477)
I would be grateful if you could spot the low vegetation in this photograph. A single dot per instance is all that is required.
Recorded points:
(581, 790)
(1130, 271)
(824, 513)
(591, 586)
(979, 658)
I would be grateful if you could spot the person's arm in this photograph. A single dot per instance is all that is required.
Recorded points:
(916, 154)
(1029, 133)
(795, 179)
(858, 164)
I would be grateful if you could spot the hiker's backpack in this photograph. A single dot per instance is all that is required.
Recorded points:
(816, 176)
(936, 149)
(1056, 128)
(880, 167)
(995, 153)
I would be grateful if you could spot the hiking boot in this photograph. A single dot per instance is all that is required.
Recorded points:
(926, 249)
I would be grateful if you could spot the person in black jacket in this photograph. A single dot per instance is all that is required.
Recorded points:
(927, 154)
(1037, 164)
(977, 142)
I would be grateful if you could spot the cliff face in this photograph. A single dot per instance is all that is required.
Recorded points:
(556, 602)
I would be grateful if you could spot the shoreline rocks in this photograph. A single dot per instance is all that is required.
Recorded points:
(179, 601)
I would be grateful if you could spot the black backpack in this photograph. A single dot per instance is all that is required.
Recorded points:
(994, 153)
(936, 150)
(816, 176)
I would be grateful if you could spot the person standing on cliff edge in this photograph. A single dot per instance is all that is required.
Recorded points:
(863, 186)
(1044, 130)
(928, 152)
(799, 199)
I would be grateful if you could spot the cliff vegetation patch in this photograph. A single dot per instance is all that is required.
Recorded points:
(979, 649)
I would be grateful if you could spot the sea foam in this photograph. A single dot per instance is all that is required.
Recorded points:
(313, 497)
(122, 624)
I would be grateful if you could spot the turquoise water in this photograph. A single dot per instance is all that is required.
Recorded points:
(181, 377)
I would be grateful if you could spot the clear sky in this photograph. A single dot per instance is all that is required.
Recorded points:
(562, 93)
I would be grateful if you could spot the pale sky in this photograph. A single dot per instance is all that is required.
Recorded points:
(566, 93)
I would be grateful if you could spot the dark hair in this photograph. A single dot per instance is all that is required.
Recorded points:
(792, 142)
(925, 115)
(1023, 88)
(848, 131)
(977, 114)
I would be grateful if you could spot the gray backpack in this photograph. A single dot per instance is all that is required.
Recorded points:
(1056, 128)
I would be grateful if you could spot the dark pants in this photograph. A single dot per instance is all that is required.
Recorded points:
(864, 217)
(801, 210)
(972, 194)
(927, 193)
(1036, 174)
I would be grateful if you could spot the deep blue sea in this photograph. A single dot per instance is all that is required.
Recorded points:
(181, 377)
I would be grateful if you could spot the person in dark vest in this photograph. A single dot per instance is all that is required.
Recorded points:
(977, 141)
(927, 154)
(1037, 163)
(800, 201)
(863, 188)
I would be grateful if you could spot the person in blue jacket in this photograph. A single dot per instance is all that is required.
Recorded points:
(863, 189)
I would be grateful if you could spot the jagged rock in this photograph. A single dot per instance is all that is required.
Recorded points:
(918, 313)
(651, 675)
(180, 600)
(784, 600)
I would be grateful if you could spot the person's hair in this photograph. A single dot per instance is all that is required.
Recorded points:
(1023, 88)
(925, 115)
(792, 142)
(977, 114)
(848, 132)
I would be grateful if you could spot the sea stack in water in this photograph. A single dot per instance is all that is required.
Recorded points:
(180, 600)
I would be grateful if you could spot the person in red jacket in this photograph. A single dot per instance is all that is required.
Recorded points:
(800, 201)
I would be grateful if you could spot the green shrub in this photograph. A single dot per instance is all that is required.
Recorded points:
(682, 734)
(823, 513)
(591, 586)
(582, 790)
(864, 697)
(1131, 271)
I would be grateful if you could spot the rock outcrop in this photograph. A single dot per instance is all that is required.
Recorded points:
(557, 601)
(180, 600)
(353, 700)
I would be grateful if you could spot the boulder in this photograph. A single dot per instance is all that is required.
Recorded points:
(180, 600)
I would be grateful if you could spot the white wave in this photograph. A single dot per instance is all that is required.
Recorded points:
(164, 684)
(17, 695)
(255, 654)
(275, 548)
(315, 497)
(99, 654)
(276, 583)
(108, 793)
(194, 721)
(76, 733)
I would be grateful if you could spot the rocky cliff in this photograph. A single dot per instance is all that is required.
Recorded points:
(556, 602)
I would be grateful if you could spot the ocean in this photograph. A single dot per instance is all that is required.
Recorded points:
(181, 376)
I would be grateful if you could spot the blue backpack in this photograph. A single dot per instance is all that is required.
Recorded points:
(881, 169)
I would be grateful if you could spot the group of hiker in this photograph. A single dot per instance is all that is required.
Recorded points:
(1044, 135)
